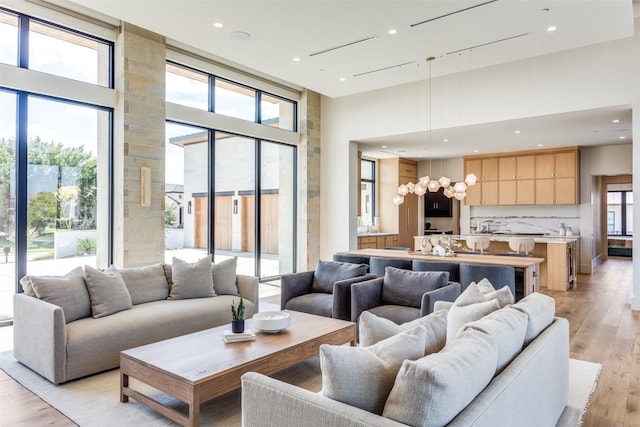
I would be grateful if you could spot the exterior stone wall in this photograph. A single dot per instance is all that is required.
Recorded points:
(309, 181)
(139, 134)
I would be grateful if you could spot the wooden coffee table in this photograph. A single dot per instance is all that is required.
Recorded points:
(200, 366)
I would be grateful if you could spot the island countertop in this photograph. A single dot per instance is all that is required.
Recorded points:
(503, 237)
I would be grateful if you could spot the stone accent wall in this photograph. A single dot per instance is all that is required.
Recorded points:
(139, 135)
(309, 181)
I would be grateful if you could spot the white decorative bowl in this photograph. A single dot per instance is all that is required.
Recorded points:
(271, 321)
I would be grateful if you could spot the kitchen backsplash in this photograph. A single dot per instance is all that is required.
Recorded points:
(523, 224)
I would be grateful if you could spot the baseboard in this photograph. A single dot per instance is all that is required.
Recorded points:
(635, 303)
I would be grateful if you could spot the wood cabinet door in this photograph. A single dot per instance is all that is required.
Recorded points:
(474, 195)
(526, 167)
(565, 190)
(507, 192)
(545, 191)
(489, 170)
(545, 166)
(566, 165)
(490, 192)
(408, 221)
(526, 192)
(507, 168)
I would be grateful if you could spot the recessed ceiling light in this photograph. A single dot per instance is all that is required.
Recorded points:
(622, 137)
(393, 31)
(445, 140)
(615, 121)
(342, 79)
(218, 24)
(552, 28)
(540, 145)
(476, 151)
(240, 35)
(384, 146)
(517, 131)
(296, 59)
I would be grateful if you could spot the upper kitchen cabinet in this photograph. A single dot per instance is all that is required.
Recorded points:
(557, 178)
(485, 191)
(402, 219)
(516, 180)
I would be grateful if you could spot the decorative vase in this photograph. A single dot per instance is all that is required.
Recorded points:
(237, 326)
(425, 246)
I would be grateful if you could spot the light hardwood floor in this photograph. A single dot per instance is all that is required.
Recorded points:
(603, 329)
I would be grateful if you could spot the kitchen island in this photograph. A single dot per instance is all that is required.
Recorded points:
(558, 272)
(529, 265)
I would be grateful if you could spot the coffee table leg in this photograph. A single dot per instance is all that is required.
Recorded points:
(124, 382)
(194, 407)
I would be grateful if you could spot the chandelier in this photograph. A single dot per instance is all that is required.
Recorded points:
(457, 190)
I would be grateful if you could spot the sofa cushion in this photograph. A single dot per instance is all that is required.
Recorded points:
(507, 328)
(27, 287)
(396, 313)
(67, 292)
(373, 329)
(431, 391)
(329, 272)
(191, 280)
(317, 303)
(540, 310)
(363, 376)
(460, 314)
(107, 291)
(224, 277)
(145, 284)
(406, 287)
(503, 295)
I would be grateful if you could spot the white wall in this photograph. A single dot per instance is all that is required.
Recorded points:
(592, 77)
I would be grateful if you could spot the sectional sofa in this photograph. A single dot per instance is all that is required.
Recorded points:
(76, 325)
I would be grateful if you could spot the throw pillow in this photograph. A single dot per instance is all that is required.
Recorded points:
(107, 292)
(329, 272)
(406, 287)
(503, 295)
(224, 277)
(67, 292)
(432, 390)
(459, 315)
(145, 284)
(27, 287)
(507, 328)
(363, 376)
(191, 280)
(373, 329)
(540, 309)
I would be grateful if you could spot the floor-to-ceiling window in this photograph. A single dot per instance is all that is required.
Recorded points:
(620, 212)
(55, 146)
(247, 209)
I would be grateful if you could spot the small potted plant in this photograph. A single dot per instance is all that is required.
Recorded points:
(237, 317)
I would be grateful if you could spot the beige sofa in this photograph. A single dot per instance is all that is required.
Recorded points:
(62, 350)
(531, 390)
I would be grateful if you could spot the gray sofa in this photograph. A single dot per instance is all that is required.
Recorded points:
(62, 350)
(531, 390)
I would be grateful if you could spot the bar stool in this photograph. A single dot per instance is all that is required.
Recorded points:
(521, 246)
(478, 243)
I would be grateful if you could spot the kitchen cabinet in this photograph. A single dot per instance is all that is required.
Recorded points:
(516, 180)
(485, 192)
(374, 241)
(557, 178)
(401, 220)
(562, 274)
(437, 205)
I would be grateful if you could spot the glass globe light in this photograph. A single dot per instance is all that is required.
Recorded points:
(460, 195)
(444, 181)
(460, 187)
(398, 199)
(449, 192)
(411, 186)
(433, 185)
(424, 181)
(419, 190)
(403, 190)
(470, 179)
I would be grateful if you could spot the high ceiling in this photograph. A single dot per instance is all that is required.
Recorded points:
(344, 47)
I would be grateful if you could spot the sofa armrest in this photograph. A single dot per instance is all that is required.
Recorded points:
(365, 295)
(446, 293)
(293, 285)
(40, 337)
(248, 288)
(268, 402)
(342, 296)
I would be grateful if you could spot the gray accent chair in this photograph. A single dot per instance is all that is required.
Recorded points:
(498, 275)
(377, 265)
(353, 259)
(402, 295)
(452, 268)
(325, 291)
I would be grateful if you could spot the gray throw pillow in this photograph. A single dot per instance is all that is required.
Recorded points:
(373, 329)
(191, 280)
(406, 287)
(145, 284)
(363, 376)
(27, 287)
(224, 277)
(431, 391)
(329, 272)
(67, 292)
(107, 292)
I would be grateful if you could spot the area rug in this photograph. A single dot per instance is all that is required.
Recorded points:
(94, 401)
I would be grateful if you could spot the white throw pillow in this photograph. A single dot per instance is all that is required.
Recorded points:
(459, 315)
(431, 391)
(503, 295)
(540, 309)
(373, 329)
(191, 280)
(107, 291)
(507, 328)
(363, 376)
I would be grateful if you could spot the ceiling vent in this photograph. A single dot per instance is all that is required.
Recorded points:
(452, 13)
(320, 52)
(488, 43)
(383, 69)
